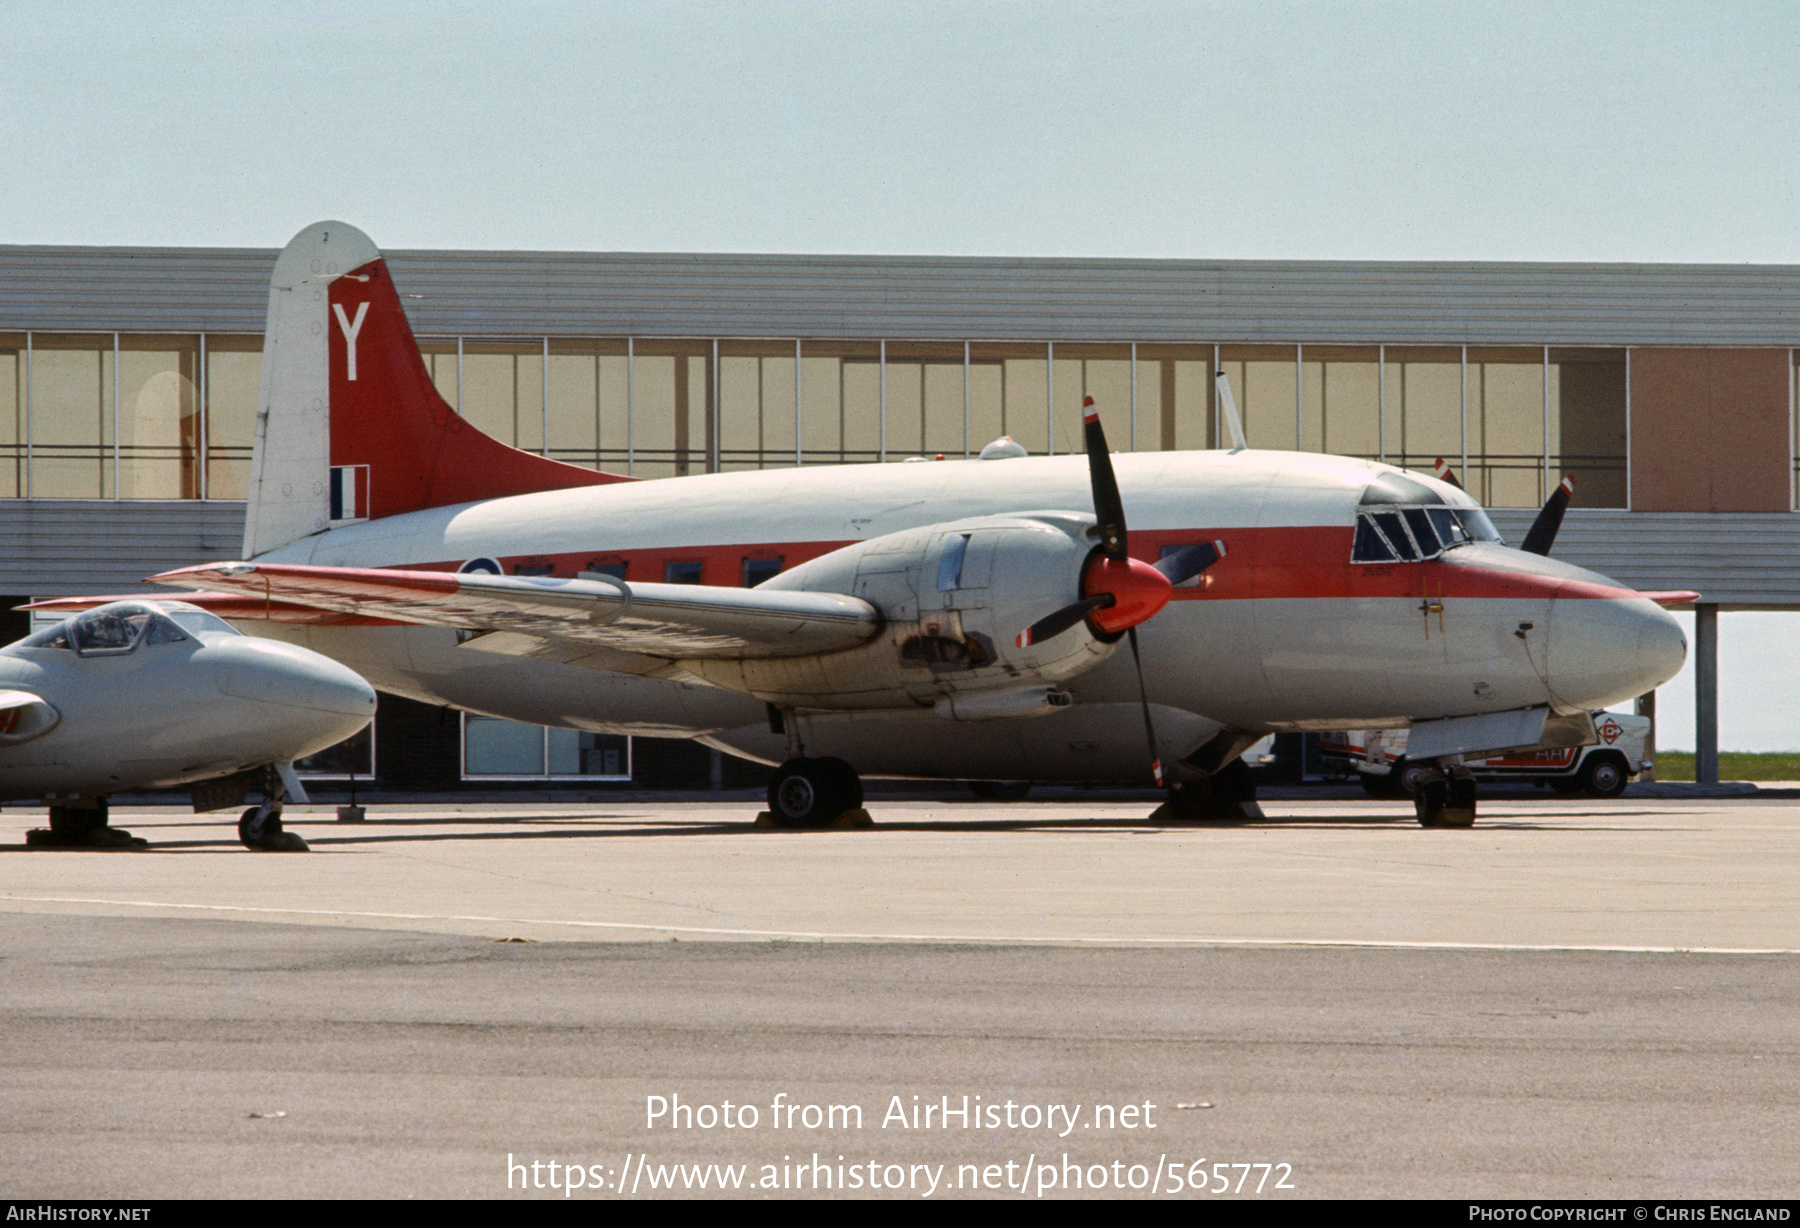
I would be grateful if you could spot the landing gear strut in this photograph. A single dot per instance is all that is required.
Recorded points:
(82, 826)
(812, 792)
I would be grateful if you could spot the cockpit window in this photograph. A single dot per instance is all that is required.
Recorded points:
(1414, 534)
(110, 630)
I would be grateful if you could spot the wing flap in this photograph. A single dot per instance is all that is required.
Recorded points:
(671, 621)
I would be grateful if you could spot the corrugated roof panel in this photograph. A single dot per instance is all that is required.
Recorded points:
(606, 294)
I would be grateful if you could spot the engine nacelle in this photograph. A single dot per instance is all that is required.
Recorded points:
(955, 597)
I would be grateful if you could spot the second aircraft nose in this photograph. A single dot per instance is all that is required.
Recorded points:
(292, 677)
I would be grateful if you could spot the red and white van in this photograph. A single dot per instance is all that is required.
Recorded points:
(1378, 756)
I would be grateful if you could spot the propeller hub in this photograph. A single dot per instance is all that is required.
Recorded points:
(1138, 591)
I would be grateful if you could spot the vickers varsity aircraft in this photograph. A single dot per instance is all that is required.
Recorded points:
(958, 619)
(153, 694)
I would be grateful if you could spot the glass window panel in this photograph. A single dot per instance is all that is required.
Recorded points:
(503, 391)
(1506, 426)
(233, 382)
(1341, 409)
(1009, 394)
(758, 570)
(1099, 371)
(1424, 405)
(12, 415)
(1262, 379)
(1587, 404)
(439, 354)
(671, 392)
(71, 415)
(840, 394)
(925, 398)
(159, 419)
(756, 404)
(573, 753)
(355, 755)
(493, 747)
(588, 410)
(1177, 408)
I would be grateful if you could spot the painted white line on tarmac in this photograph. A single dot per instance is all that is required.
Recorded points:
(831, 936)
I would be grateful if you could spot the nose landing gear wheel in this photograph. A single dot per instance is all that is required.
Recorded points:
(260, 829)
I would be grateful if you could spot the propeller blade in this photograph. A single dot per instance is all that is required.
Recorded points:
(1109, 508)
(1144, 699)
(1063, 619)
(1543, 530)
(1190, 561)
(1446, 474)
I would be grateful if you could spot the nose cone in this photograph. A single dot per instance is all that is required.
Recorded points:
(1606, 651)
(290, 676)
(1662, 649)
(304, 701)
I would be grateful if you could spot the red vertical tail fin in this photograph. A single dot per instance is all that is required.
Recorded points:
(349, 424)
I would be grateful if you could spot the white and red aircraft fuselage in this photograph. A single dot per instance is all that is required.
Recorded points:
(385, 532)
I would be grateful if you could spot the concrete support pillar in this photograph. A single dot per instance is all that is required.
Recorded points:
(1646, 707)
(1706, 694)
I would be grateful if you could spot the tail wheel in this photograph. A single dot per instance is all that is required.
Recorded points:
(1604, 776)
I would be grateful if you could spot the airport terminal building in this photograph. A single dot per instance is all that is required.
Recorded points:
(129, 378)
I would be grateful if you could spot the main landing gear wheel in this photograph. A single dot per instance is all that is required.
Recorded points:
(73, 824)
(1219, 798)
(812, 792)
(84, 827)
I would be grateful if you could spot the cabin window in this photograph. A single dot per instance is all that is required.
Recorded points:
(758, 570)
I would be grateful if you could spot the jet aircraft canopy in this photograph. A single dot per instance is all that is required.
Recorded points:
(121, 627)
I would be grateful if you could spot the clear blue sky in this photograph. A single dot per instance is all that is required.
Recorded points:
(1412, 131)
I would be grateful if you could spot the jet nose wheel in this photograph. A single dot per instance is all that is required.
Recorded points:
(813, 792)
(260, 828)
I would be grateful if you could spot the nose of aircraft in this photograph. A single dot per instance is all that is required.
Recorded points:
(1608, 650)
(1662, 648)
(316, 701)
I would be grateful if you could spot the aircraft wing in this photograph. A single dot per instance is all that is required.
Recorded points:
(671, 621)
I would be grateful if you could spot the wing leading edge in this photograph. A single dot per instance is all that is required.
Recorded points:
(670, 621)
